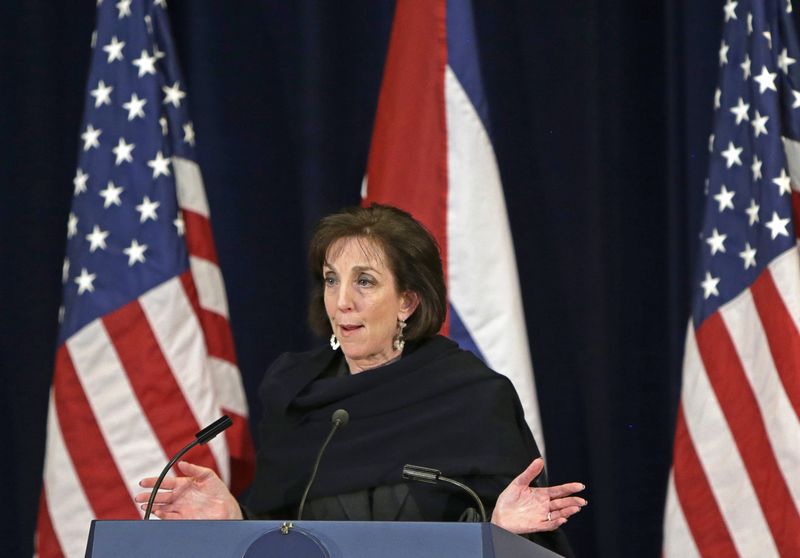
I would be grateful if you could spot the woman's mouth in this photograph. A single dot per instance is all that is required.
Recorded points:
(349, 329)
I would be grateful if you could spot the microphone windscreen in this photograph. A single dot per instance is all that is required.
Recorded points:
(341, 416)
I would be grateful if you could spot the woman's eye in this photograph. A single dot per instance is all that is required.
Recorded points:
(330, 281)
(365, 282)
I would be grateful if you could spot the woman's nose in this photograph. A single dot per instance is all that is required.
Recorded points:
(345, 299)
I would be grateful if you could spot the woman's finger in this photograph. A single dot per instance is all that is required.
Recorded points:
(560, 503)
(562, 490)
(526, 477)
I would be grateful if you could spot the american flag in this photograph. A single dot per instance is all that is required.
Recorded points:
(734, 488)
(145, 355)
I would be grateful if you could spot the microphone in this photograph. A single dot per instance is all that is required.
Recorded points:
(339, 418)
(433, 476)
(201, 438)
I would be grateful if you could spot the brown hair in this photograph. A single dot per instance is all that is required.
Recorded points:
(411, 253)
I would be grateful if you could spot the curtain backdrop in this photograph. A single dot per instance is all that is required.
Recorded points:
(601, 111)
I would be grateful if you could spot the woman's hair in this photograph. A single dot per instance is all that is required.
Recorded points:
(411, 253)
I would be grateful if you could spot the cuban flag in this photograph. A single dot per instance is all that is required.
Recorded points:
(432, 155)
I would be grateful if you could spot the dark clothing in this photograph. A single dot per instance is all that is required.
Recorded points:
(437, 406)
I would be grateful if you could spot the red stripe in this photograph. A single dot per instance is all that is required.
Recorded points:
(796, 212)
(152, 381)
(782, 335)
(242, 453)
(696, 498)
(217, 331)
(407, 164)
(745, 422)
(199, 238)
(46, 542)
(98, 473)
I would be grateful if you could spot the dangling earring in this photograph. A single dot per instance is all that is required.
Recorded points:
(334, 342)
(399, 342)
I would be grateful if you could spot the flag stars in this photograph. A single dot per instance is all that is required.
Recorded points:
(730, 10)
(784, 61)
(79, 182)
(748, 255)
(766, 80)
(85, 281)
(188, 133)
(796, 102)
(784, 183)
(732, 155)
(123, 151)
(756, 168)
(777, 226)
(709, 285)
(124, 8)
(146, 64)
(160, 3)
(97, 239)
(759, 124)
(101, 94)
(173, 95)
(749, 23)
(752, 212)
(65, 270)
(716, 242)
(72, 225)
(768, 36)
(91, 137)
(745, 66)
(147, 209)
(180, 224)
(160, 165)
(114, 49)
(135, 107)
(740, 111)
(725, 199)
(164, 123)
(111, 195)
(711, 143)
(135, 252)
(723, 53)
(717, 98)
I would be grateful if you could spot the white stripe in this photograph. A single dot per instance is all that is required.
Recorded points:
(792, 150)
(483, 282)
(180, 337)
(783, 427)
(228, 386)
(785, 270)
(210, 286)
(70, 511)
(720, 459)
(189, 186)
(678, 539)
(121, 419)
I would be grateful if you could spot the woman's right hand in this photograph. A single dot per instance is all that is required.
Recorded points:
(201, 494)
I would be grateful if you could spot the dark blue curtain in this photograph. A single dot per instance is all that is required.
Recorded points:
(601, 110)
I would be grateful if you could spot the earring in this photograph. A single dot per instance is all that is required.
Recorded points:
(334, 342)
(399, 342)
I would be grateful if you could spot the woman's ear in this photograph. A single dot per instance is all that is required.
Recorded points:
(408, 304)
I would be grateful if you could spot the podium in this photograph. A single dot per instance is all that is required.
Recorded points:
(306, 539)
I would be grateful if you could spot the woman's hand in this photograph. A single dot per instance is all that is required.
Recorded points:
(522, 508)
(199, 495)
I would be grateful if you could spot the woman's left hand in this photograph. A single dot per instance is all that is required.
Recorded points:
(522, 508)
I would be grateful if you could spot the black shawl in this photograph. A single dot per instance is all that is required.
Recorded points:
(437, 406)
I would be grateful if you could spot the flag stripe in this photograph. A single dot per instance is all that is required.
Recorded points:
(161, 398)
(218, 336)
(720, 461)
(86, 446)
(783, 428)
(210, 287)
(68, 505)
(46, 543)
(782, 336)
(180, 339)
(189, 186)
(128, 434)
(199, 238)
(744, 419)
(694, 493)
(680, 544)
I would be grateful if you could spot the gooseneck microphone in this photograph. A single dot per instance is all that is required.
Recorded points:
(433, 476)
(201, 438)
(339, 418)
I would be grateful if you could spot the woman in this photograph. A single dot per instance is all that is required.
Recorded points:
(413, 397)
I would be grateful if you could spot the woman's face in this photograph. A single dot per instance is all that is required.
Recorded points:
(362, 302)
